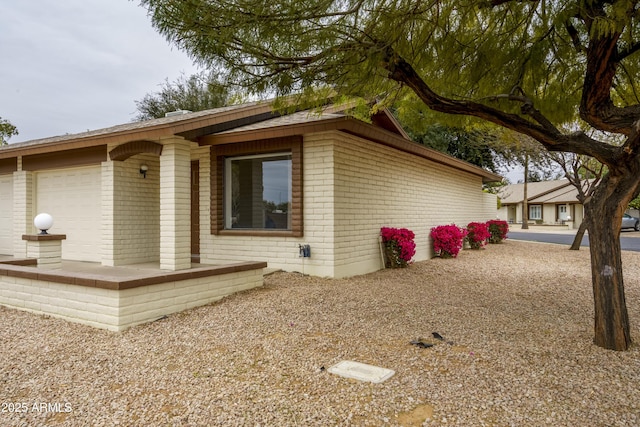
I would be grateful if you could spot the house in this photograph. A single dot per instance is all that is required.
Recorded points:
(241, 186)
(549, 203)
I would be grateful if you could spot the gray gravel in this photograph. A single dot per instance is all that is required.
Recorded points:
(516, 320)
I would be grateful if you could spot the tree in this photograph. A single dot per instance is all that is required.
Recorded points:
(529, 66)
(475, 147)
(195, 93)
(7, 130)
(584, 173)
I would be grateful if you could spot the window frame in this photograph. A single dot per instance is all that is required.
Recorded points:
(538, 208)
(219, 154)
(228, 188)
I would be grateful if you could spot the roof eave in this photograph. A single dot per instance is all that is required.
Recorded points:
(151, 132)
(352, 126)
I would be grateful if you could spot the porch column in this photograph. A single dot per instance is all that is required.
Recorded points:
(175, 204)
(22, 211)
(110, 172)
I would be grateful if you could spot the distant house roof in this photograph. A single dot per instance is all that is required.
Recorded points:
(557, 191)
(566, 194)
(245, 122)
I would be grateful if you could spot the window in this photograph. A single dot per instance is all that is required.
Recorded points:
(248, 207)
(535, 212)
(258, 192)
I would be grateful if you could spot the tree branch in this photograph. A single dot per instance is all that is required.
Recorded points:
(552, 139)
(596, 106)
(635, 47)
(494, 3)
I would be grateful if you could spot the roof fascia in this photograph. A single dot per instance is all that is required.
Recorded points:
(262, 111)
(355, 127)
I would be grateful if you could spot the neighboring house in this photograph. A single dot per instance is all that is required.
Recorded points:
(239, 183)
(549, 202)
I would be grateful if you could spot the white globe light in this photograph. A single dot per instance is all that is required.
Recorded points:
(43, 222)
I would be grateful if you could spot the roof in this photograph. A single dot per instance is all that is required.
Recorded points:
(561, 195)
(245, 122)
(558, 191)
(188, 125)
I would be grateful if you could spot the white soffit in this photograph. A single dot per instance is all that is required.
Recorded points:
(361, 371)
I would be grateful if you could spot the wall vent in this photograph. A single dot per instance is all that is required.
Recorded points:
(177, 113)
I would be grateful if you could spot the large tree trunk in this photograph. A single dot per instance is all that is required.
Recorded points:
(575, 246)
(603, 214)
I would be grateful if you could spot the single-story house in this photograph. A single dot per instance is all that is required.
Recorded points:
(236, 185)
(549, 203)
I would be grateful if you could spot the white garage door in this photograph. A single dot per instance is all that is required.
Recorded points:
(73, 198)
(6, 214)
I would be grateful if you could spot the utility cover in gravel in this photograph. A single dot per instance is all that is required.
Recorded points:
(361, 371)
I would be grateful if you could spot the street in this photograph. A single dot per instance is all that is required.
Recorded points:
(629, 240)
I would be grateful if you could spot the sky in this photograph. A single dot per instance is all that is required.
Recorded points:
(76, 65)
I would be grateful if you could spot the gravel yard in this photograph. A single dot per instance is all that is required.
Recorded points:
(516, 320)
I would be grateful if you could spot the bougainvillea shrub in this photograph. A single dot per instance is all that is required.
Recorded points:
(477, 234)
(498, 229)
(447, 240)
(399, 245)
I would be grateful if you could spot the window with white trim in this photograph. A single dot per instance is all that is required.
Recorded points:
(535, 212)
(258, 192)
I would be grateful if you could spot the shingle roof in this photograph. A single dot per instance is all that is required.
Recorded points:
(222, 125)
(514, 193)
(127, 127)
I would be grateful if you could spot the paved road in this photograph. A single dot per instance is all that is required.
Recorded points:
(626, 243)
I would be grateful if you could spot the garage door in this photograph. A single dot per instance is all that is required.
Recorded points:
(73, 198)
(6, 214)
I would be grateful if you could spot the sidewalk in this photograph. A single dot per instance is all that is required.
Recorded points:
(555, 229)
(563, 229)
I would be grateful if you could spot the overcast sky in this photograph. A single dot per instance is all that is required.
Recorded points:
(67, 66)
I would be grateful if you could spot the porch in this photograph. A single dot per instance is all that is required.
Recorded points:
(116, 298)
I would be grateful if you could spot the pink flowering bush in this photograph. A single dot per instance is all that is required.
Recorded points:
(498, 230)
(399, 245)
(477, 234)
(447, 240)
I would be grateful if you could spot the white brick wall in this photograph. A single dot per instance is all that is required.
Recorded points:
(6, 214)
(378, 186)
(47, 252)
(130, 211)
(351, 188)
(175, 204)
(118, 310)
(22, 211)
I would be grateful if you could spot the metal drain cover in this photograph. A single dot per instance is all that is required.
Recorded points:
(361, 371)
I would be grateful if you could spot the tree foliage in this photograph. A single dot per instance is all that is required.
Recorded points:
(530, 66)
(7, 130)
(474, 147)
(195, 93)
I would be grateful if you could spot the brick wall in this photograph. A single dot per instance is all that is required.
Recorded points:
(131, 211)
(175, 204)
(378, 186)
(117, 310)
(22, 210)
(353, 187)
